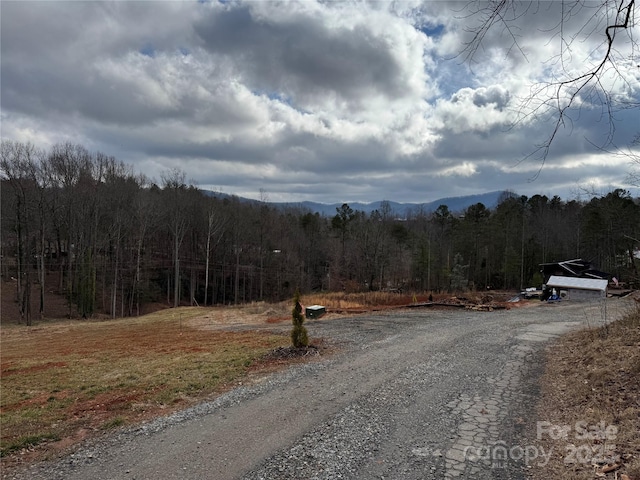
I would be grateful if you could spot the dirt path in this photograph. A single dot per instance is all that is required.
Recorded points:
(413, 394)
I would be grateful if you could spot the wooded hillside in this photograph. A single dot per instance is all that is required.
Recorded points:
(113, 240)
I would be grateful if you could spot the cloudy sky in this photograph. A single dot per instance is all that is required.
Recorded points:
(329, 101)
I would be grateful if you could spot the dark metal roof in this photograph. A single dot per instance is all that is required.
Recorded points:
(573, 268)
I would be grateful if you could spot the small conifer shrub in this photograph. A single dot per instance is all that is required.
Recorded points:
(299, 336)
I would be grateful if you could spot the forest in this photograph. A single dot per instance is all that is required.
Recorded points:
(86, 226)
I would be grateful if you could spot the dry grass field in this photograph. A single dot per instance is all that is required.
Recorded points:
(66, 379)
(592, 386)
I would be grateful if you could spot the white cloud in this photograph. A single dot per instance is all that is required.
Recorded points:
(466, 169)
(365, 99)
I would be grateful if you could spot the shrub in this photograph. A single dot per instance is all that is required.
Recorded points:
(299, 336)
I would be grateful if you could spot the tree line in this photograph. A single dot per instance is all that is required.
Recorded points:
(85, 225)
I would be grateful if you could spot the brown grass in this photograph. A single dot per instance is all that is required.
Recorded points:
(63, 379)
(341, 301)
(593, 376)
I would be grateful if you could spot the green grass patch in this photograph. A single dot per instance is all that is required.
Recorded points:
(27, 441)
(113, 423)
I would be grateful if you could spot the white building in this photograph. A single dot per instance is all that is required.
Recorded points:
(573, 288)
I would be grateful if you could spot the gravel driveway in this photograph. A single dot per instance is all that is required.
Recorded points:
(413, 394)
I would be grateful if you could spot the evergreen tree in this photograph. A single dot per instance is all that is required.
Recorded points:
(299, 337)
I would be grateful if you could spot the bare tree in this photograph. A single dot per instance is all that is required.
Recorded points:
(146, 217)
(634, 158)
(262, 227)
(610, 21)
(41, 197)
(70, 171)
(215, 230)
(18, 167)
(174, 186)
(118, 191)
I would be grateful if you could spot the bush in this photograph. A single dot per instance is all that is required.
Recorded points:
(299, 336)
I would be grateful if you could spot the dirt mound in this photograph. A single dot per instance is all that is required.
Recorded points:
(281, 353)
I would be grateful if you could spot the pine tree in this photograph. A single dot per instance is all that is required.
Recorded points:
(299, 337)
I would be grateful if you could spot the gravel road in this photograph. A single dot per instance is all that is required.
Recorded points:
(413, 394)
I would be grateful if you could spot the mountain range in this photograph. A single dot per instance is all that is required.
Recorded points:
(455, 204)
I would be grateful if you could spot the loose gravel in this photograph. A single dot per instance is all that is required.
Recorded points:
(420, 394)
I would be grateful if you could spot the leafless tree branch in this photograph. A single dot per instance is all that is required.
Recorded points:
(559, 97)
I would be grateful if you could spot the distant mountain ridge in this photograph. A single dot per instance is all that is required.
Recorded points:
(455, 204)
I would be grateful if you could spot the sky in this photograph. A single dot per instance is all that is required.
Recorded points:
(326, 101)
